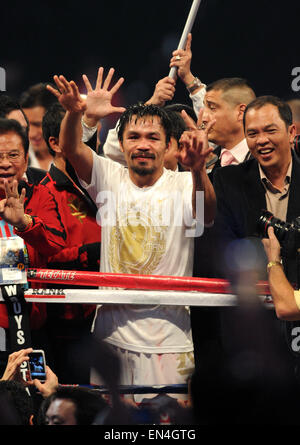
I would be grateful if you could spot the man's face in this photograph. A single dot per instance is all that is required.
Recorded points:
(35, 118)
(225, 114)
(61, 412)
(13, 162)
(144, 145)
(268, 138)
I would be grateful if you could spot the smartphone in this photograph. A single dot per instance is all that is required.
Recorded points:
(37, 364)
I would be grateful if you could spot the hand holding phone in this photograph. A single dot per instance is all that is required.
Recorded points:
(37, 365)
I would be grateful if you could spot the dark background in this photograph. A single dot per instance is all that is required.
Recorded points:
(255, 39)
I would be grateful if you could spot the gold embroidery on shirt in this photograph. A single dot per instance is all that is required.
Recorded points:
(186, 363)
(78, 209)
(136, 246)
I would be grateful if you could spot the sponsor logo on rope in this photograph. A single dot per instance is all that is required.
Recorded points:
(55, 275)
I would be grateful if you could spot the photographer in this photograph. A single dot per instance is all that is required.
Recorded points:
(285, 298)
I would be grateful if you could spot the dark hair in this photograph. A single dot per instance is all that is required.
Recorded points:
(283, 108)
(234, 89)
(18, 400)
(227, 83)
(178, 124)
(88, 403)
(51, 123)
(179, 107)
(37, 95)
(8, 104)
(141, 111)
(11, 125)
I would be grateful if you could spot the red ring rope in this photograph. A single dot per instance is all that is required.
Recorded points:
(131, 281)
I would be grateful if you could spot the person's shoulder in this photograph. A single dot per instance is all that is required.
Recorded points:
(35, 175)
(106, 162)
(36, 194)
(177, 176)
(296, 160)
(233, 172)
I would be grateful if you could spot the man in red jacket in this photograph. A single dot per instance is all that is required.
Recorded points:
(69, 324)
(28, 211)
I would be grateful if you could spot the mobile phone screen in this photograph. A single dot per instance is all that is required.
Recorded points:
(37, 365)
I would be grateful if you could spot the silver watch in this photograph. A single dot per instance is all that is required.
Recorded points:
(194, 85)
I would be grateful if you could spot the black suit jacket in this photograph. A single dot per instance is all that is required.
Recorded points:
(204, 255)
(240, 200)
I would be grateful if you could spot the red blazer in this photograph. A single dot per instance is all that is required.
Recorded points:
(45, 237)
(82, 250)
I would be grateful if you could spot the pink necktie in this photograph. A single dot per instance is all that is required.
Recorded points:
(227, 158)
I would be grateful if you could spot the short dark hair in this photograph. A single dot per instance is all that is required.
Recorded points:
(88, 403)
(18, 399)
(283, 108)
(235, 89)
(226, 83)
(11, 125)
(179, 107)
(178, 124)
(141, 111)
(8, 104)
(51, 123)
(37, 95)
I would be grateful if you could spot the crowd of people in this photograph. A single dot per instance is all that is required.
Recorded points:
(131, 205)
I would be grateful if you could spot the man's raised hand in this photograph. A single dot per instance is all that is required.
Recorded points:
(68, 95)
(181, 58)
(164, 91)
(12, 206)
(194, 147)
(99, 100)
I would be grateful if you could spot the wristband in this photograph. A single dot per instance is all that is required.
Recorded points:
(28, 223)
(273, 263)
(194, 85)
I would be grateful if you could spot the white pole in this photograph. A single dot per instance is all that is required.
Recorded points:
(186, 30)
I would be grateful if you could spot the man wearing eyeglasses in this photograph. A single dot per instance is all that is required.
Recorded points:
(27, 211)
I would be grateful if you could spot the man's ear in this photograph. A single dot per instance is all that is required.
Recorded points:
(26, 160)
(292, 131)
(241, 109)
(54, 144)
(168, 145)
(121, 145)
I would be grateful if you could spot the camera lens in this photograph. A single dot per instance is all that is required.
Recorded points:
(297, 144)
(267, 219)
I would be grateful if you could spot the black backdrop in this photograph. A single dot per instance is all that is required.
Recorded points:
(256, 39)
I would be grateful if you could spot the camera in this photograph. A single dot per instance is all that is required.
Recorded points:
(297, 144)
(281, 228)
(288, 234)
